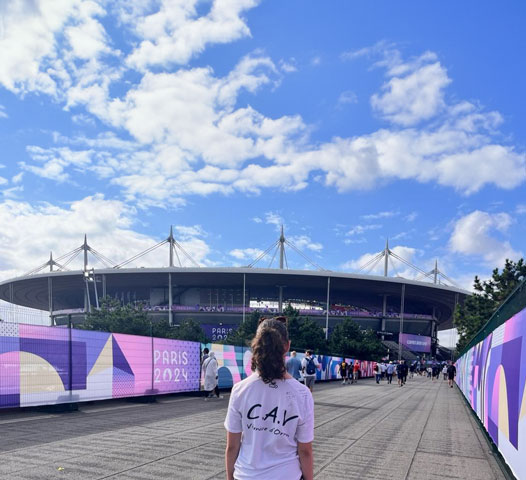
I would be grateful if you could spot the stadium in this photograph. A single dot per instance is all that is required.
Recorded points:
(221, 298)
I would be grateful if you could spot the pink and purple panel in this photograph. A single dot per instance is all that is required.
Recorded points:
(132, 365)
(9, 378)
(176, 366)
(51, 344)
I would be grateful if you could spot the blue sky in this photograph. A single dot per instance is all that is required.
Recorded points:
(348, 122)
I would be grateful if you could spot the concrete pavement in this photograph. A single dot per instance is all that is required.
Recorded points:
(365, 431)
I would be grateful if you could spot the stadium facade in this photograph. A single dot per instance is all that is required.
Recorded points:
(221, 298)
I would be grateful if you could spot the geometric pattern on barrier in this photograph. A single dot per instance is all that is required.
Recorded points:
(48, 365)
(492, 377)
(36, 368)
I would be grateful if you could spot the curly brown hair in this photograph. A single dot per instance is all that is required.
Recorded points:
(268, 348)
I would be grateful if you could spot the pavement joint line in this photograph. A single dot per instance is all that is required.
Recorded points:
(422, 432)
(73, 457)
(351, 443)
(123, 427)
(153, 461)
(89, 411)
(336, 405)
(208, 425)
(336, 417)
(16, 420)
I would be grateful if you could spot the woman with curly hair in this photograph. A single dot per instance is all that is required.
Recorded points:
(270, 419)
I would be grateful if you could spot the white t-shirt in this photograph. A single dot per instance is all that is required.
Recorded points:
(273, 419)
(304, 364)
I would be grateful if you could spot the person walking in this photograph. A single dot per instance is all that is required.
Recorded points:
(390, 370)
(344, 371)
(270, 417)
(405, 372)
(377, 372)
(355, 372)
(206, 352)
(293, 366)
(400, 373)
(309, 365)
(211, 377)
(451, 373)
(383, 368)
(435, 371)
(444, 371)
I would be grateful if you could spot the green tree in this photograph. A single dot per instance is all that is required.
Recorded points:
(488, 295)
(304, 333)
(116, 318)
(245, 332)
(349, 339)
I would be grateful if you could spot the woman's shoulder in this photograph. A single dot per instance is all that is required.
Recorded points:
(298, 387)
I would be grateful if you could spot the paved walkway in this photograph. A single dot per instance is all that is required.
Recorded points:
(365, 431)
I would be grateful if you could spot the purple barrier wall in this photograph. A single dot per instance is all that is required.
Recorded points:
(35, 365)
(492, 377)
(50, 365)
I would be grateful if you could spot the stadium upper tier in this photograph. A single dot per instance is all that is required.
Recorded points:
(230, 291)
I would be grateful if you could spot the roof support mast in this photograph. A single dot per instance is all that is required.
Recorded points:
(281, 248)
(386, 259)
(171, 241)
(85, 248)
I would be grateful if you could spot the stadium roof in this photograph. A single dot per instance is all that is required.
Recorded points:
(68, 287)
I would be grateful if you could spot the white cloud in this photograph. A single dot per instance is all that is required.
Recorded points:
(83, 120)
(54, 47)
(288, 66)
(347, 97)
(273, 218)
(304, 242)
(476, 234)
(521, 209)
(353, 241)
(257, 220)
(246, 253)
(361, 229)
(27, 36)
(388, 53)
(415, 93)
(11, 193)
(55, 162)
(175, 33)
(3, 113)
(384, 214)
(395, 267)
(87, 36)
(411, 217)
(107, 223)
(189, 231)
(217, 145)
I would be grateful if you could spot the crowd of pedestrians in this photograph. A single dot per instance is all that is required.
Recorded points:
(386, 370)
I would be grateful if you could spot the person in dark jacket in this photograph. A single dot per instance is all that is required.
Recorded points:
(451, 373)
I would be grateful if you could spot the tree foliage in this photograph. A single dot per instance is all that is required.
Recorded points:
(488, 296)
(304, 333)
(349, 339)
(189, 330)
(116, 318)
(245, 332)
